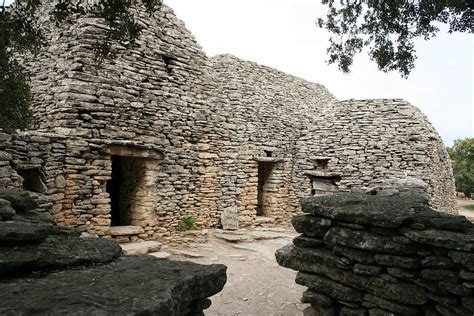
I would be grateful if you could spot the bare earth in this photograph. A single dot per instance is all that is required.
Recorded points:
(464, 211)
(256, 284)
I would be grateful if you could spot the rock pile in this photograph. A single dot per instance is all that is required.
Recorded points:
(386, 253)
(48, 270)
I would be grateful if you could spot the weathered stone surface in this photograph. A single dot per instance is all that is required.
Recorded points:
(468, 303)
(439, 275)
(464, 258)
(360, 208)
(130, 285)
(402, 274)
(365, 241)
(390, 305)
(18, 233)
(354, 254)
(312, 297)
(430, 218)
(416, 268)
(466, 275)
(442, 238)
(302, 241)
(312, 255)
(6, 210)
(437, 262)
(346, 311)
(140, 248)
(311, 226)
(56, 252)
(21, 201)
(329, 287)
(397, 261)
(367, 269)
(402, 292)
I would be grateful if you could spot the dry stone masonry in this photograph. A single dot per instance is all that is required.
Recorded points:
(163, 132)
(47, 270)
(382, 253)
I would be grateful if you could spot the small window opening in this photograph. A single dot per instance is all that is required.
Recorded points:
(33, 180)
(268, 153)
(324, 185)
(167, 60)
(321, 164)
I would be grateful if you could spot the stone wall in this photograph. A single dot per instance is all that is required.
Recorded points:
(200, 129)
(381, 254)
(316, 139)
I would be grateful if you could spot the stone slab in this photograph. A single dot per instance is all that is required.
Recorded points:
(125, 230)
(140, 248)
(139, 285)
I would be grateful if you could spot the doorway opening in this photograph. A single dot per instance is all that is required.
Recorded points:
(33, 180)
(124, 188)
(264, 187)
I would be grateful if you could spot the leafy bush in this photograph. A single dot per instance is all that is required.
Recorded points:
(462, 157)
(186, 223)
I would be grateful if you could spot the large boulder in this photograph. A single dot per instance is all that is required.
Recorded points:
(21, 201)
(136, 285)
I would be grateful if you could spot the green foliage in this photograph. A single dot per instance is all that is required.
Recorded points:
(388, 29)
(186, 223)
(469, 207)
(462, 157)
(20, 34)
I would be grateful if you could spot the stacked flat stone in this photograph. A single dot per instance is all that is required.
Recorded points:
(200, 127)
(385, 253)
(51, 271)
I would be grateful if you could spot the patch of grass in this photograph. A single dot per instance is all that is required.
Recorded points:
(469, 207)
(186, 223)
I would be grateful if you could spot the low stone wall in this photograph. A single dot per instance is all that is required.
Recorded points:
(386, 253)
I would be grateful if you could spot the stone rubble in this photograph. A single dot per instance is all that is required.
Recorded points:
(382, 253)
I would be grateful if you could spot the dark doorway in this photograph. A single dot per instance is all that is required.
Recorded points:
(264, 173)
(125, 189)
(113, 188)
(33, 180)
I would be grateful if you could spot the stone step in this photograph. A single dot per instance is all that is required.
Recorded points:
(126, 230)
(260, 220)
(140, 248)
(160, 255)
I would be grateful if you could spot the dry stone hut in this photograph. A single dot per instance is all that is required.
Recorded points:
(162, 131)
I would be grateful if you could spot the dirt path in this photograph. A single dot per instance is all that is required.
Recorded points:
(463, 210)
(256, 284)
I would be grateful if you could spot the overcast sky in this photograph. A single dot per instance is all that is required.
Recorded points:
(283, 34)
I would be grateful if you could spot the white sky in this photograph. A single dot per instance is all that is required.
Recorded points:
(283, 34)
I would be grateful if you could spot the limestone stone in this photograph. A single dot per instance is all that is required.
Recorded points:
(6, 210)
(325, 285)
(148, 286)
(17, 233)
(400, 270)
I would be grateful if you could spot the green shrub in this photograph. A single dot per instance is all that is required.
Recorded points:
(186, 223)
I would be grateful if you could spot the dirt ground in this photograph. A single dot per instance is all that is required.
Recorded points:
(464, 211)
(256, 284)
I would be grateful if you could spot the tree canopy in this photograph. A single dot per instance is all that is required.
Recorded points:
(388, 29)
(20, 34)
(462, 157)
